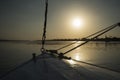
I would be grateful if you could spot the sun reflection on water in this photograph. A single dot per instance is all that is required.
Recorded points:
(76, 57)
(71, 62)
(77, 54)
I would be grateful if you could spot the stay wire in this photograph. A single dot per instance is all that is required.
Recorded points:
(86, 37)
(91, 38)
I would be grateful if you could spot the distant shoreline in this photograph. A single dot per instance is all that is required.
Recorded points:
(83, 39)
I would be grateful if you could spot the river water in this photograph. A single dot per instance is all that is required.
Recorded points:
(100, 53)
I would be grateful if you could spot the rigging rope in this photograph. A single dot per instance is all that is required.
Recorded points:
(100, 31)
(87, 37)
(44, 29)
(113, 26)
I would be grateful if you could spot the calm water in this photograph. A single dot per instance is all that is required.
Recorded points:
(100, 53)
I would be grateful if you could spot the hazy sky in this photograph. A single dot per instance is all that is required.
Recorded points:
(24, 19)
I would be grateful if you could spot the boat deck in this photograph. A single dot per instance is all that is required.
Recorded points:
(47, 67)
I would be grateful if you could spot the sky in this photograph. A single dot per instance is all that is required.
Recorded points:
(24, 19)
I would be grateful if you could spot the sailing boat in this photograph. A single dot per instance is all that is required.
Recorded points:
(51, 65)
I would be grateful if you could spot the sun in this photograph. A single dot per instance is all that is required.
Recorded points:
(77, 22)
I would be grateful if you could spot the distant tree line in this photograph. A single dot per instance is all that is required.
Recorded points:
(90, 39)
(107, 39)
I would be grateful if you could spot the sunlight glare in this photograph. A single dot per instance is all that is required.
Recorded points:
(77, 23)
(71, 61)
(77, 57)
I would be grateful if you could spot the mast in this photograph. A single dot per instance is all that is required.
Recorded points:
(45, 25)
